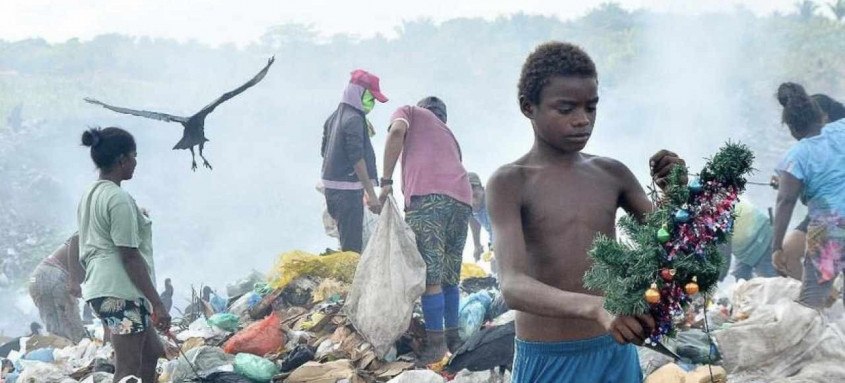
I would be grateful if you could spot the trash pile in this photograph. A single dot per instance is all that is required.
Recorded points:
(759, 334)
(345, 317)
(290, 326)
(296, 325)
(333, 317)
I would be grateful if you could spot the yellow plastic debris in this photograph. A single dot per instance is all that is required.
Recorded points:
(702, 374)
(309, 323)
(670, 373)
(471, 270)
(330, 289)
(487, 256)
(439, 366)
(192, 343)
(291, 265)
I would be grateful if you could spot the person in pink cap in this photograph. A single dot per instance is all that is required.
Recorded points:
(349, 163)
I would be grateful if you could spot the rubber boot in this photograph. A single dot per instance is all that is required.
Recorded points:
(453, 340)
(434, 350)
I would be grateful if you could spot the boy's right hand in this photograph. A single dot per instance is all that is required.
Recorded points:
(661, 164)
(628, 329)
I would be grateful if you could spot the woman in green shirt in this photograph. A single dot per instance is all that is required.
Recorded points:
(115, 248)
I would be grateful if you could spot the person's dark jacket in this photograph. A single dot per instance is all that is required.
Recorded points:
(345, 142)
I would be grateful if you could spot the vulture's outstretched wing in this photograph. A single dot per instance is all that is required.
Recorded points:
(258, 77)
(139, 113)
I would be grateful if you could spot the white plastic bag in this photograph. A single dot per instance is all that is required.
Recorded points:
(41, 372)
(781, 340)
(418, 376)
(368, 227)
(200, 329)
(390, 277)
(758, 292)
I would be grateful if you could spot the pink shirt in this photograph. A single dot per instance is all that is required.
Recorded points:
(431, 157)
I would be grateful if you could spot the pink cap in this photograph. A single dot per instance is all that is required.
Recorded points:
(368, 81)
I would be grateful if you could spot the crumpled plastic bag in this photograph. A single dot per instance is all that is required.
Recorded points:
(329, 372)
(218, 303)
(474, 285)
(41, 355)
(330, 290)
(78, 356)
(299, 292)
(98, 377)
(695, 346)
(241, 306)
(42, 341)
(466, 376)
(205, 359)
(292, 265)
(259, 338)
(471, 270)
(225, 377)
(308, 322)
(651, 360)
(255, 368)
(389, 279)
(782, 340)
(41, 372)
(472, 312)
(758, 292)
(418, 376)
(294, 338)
(224, 321)
(368, 227)
(300, 355)
(244, 285)
(199, 329)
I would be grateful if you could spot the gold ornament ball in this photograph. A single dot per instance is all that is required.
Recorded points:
(652, 295)
(692, 287)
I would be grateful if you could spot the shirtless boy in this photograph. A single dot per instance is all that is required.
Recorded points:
(547, 208)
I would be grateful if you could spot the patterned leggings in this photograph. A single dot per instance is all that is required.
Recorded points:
(440, 224)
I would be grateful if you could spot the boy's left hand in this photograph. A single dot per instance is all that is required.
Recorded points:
(661, 164)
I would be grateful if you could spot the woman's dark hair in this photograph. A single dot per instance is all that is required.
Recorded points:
(800, 112)
(832, 108)
(107, 145)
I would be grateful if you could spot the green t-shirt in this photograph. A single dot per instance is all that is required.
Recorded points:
(752, 235)
(108, 217)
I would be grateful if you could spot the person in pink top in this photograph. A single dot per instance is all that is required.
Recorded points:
(438, 200)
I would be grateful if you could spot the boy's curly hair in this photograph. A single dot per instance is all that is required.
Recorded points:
(550, 59)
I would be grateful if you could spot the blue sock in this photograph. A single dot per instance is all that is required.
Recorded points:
(432, 306)
(452, 302)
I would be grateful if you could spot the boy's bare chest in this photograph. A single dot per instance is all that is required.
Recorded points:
(558, 201)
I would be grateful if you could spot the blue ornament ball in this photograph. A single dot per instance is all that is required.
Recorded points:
(682, 216)
(695, 185)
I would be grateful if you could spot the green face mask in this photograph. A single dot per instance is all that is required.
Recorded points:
(368, 101)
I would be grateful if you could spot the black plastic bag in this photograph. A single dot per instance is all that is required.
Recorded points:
(297, 357)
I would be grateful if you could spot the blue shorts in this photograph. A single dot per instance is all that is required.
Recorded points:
(594, 360)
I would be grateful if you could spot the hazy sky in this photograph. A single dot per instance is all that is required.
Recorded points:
(243, 21)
